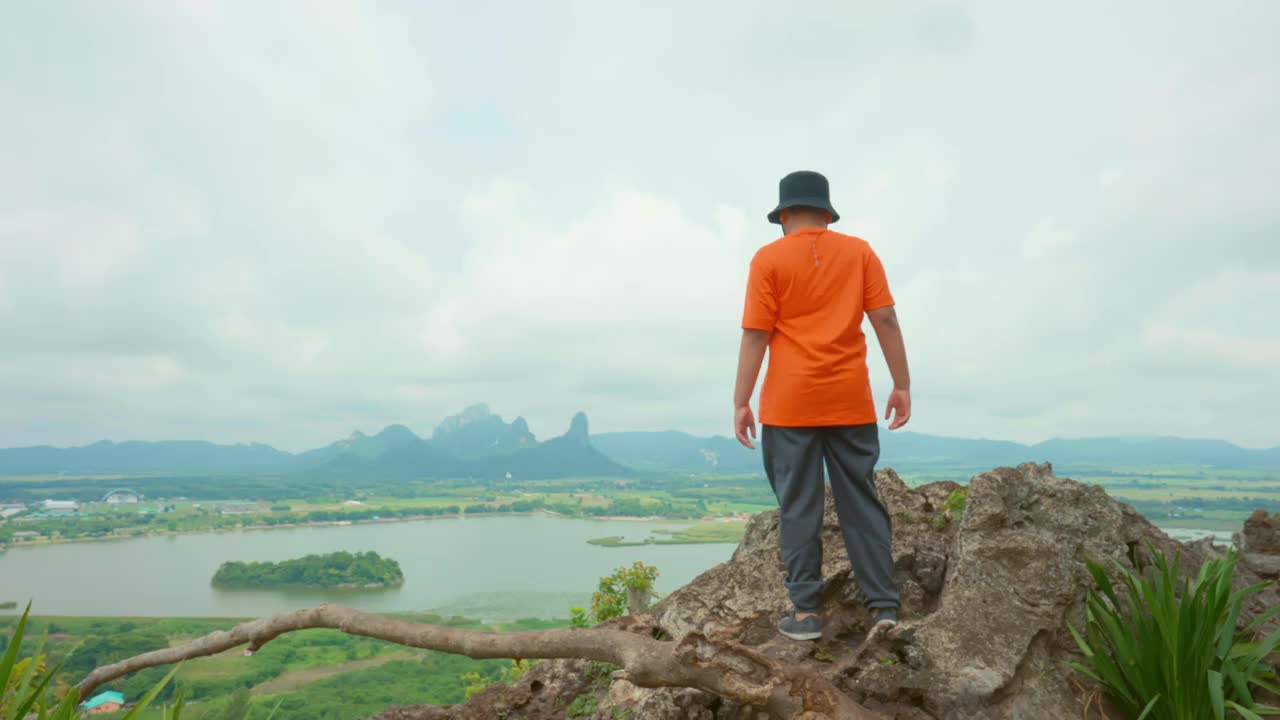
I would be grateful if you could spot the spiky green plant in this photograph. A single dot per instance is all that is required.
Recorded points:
(24, 685)
(1165, 647)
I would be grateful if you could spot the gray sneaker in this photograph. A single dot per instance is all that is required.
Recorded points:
(885, 619)
(809, 628)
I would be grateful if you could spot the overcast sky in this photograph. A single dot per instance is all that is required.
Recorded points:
(279, 222)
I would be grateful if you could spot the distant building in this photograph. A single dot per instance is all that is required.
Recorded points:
(60, 507)
(353, 503)
(122, 499)
(25, 535)
(103, 702)
(239, 508)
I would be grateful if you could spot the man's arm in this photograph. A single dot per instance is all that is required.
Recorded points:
(889, 333)
(750, 358)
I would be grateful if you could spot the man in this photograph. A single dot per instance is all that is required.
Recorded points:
(806, 296)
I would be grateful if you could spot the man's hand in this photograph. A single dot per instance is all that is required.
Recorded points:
(898, 407)
(744, 422)
(885, 322)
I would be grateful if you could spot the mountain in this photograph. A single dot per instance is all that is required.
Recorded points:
(359, 445)
(396, 453)
(456, 450)
(478, 443)
(141, 458)
(915, 452)
(476, 433)
(672, 450)
(1120, 452)
(570, 455)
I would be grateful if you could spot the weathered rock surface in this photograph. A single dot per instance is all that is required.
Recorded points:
(1259, 543)
(1261, 533)
(986, 601)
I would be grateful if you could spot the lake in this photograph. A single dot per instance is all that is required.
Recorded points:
(490, 568)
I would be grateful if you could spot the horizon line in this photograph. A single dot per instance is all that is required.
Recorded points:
(1058, 438)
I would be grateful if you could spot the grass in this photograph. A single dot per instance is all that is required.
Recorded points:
(296, 679)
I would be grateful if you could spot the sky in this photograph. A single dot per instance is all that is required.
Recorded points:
(280, 222)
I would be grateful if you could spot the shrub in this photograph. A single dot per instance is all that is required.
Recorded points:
(635, 582)
(25, 685)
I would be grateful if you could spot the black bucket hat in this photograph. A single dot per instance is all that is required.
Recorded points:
(803, 188)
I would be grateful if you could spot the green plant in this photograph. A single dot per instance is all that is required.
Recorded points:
(953, 507)
(601, 674)
(578, 617)
(1167, 648)
(612, 598)
(474, 682)
(583, 706)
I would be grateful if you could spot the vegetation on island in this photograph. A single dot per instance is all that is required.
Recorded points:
(719, 532)
(334, 570)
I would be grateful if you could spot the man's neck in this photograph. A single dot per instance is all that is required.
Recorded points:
(798, 225)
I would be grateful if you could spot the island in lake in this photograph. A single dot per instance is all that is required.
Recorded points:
(334, 570)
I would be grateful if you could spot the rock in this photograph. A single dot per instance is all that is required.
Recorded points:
(987, 595)
(1266, 566)
(578, 427)
(1259, 542)
(1261, 533)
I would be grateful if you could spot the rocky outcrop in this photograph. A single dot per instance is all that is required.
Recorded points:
(477, 432)
(1259, 543)
(987, 597)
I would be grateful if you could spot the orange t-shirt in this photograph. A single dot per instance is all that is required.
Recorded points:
(810, 290)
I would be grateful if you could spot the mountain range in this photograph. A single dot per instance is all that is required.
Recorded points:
(480, 444)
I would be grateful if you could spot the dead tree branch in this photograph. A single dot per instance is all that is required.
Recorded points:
(726, 669)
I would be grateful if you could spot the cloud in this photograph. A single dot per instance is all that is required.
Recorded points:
(278, 223)
(1044, 238)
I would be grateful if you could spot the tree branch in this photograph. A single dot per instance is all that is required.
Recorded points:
(726, 669)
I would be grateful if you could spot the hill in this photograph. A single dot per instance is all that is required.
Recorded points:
(988, 595)
(141, 458)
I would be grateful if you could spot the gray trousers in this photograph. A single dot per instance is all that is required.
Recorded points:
(793, 460)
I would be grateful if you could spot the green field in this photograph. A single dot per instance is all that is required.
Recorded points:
(1187, 496)
(311, 674)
